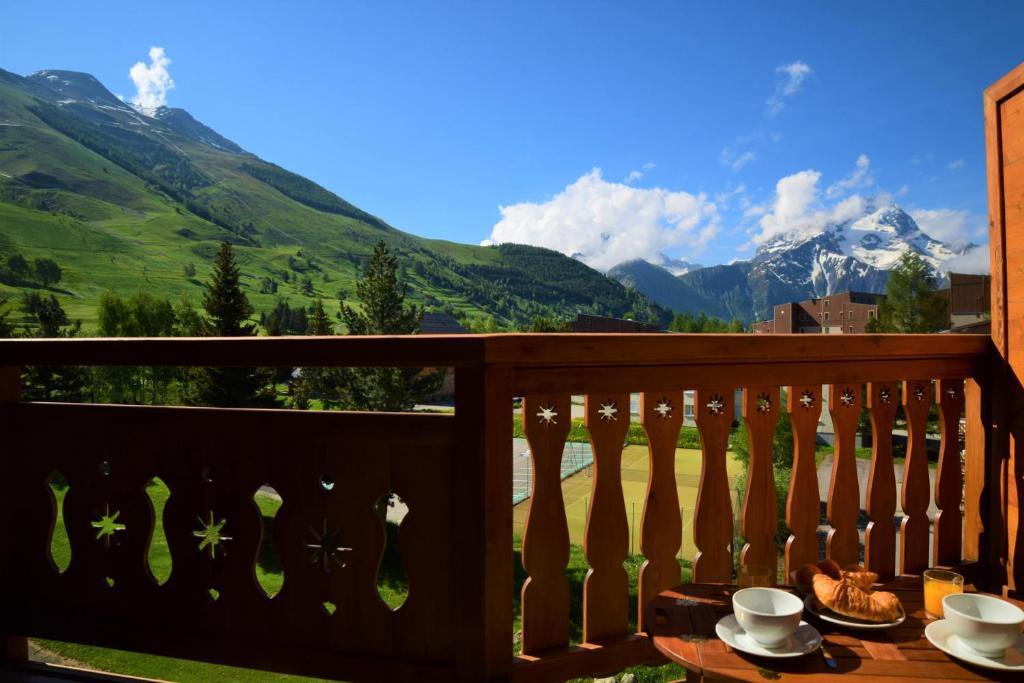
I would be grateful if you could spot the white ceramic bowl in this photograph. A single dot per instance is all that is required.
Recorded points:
(983, 623)
(768, 615)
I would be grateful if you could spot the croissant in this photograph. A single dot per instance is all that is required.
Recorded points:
(850, 601)
(858, 576)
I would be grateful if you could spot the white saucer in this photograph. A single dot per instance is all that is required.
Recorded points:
(805, 639)
(940, 634)
(815, 607)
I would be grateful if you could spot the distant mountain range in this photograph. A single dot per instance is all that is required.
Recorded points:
(128, 199)
(853, 255)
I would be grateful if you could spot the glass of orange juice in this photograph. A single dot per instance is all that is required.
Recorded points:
(755, 575)
(938, 583)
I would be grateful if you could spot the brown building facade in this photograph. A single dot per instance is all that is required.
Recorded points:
(842, 313)
(969, 297)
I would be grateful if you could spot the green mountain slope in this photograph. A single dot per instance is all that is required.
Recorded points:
(126, 200)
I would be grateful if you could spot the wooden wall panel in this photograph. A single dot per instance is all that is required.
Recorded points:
(213, 461)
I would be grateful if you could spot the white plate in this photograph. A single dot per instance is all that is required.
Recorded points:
(825, 614)
(940, 634)
(805, 639)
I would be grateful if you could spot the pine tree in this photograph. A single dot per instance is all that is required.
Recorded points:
(69, 383)
(384, 311)
(318, 382)
(911, 302)
(319, 323)
(228, 311)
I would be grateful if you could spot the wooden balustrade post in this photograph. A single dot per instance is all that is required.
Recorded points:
(606, 537)
(545, 594)
(714, 412)
(16, 646)
(482, 523)
(760, 511)
(843, 544)
(947, 546)
(880, 535)
(661, 526)
(803, 505)
(917, 399)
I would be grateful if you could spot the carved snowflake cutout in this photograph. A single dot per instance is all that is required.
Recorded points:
(210, 533)
(846, 398)
(663, 408)
(547, 415)
(326, 547)
(884, 395)
(919, 392)
(716, 406)
(107, 525)
(607, 411)
(807, 400)
(764, 403)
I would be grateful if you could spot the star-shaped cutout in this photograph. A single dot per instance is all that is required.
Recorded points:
(107, 525)
(764, 403)
(326, 546)
(807, 400)
(884, 395)
(607, 411)
(663, 408)
(547, 415)
(846, 398)
(919, 392)
(951, 392)
(210, 533)
(716, 406)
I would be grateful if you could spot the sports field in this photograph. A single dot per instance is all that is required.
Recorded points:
(576, 493)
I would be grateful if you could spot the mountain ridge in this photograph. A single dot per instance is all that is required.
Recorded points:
(127, 200)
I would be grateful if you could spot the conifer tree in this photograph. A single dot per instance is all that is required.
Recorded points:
(384, 311)
(228, 311)
(911, 302)
(318, 382)
(47, 319)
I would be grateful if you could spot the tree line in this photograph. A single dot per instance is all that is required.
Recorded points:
(226, 312)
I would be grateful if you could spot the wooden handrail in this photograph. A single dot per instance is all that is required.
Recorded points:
(519, 350)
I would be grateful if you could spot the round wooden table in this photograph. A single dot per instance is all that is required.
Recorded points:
(681, 623)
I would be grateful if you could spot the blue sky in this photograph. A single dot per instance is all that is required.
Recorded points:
(609, 129)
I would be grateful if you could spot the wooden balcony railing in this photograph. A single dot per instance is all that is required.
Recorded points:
(454, 472)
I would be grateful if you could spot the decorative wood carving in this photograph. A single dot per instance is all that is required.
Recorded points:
(917, 399)
(606, 537)
(661, 525)
(803, 403)
(545, 594)
(948, 477)
(843, 544)
(713, 411)
(760, 514)
(880, 535)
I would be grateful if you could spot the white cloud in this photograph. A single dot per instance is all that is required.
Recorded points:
(637, 174)
(904, 189)
(742, 160)
(975, 261)
(605, 223)
(153, 81)
(955, 226)
(953, 165)
(859, 177)
(797, 209)
(789, 79)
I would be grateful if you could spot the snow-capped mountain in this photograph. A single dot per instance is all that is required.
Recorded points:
(853, 255)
